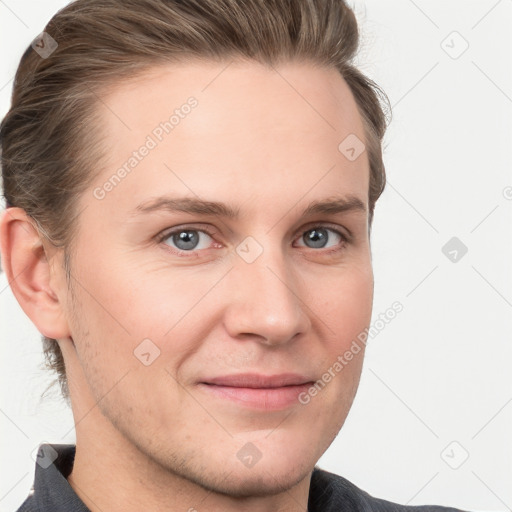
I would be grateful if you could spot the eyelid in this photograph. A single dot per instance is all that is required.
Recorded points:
(208, 229)
(341, 230)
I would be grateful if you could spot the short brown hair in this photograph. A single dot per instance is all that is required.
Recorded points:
(48, 150)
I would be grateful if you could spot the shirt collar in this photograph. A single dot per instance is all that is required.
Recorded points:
(51, 490)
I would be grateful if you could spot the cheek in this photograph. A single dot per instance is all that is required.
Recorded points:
(345, 310)
(107, 324)
(124, 303)
(345, 306)
(123, 314)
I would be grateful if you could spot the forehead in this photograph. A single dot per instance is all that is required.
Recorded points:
(211, 129)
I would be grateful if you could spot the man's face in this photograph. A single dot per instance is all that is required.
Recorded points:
(270, 291)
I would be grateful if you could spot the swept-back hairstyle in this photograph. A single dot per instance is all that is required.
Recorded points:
(49, 148)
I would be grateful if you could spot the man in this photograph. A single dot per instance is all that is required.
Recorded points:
(191, 187)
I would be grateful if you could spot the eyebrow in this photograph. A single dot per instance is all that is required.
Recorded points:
(331, 205)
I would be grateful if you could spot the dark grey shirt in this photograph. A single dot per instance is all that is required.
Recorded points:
(328, 492)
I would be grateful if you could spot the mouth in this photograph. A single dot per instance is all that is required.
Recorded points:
(256, 391)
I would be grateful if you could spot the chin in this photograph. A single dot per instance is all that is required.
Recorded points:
(260, 481)
(284, 461)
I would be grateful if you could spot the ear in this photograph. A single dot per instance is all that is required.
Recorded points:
(33, 274)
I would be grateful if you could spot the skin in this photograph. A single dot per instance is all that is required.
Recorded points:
(265, 141)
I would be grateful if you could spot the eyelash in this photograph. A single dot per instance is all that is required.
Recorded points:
(195, 252)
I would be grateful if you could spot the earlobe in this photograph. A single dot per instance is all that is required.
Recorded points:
(30, 274)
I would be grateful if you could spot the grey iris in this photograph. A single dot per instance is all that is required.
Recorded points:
(316, 236)
(189, 238)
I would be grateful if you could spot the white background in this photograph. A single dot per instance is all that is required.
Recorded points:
(439, 373)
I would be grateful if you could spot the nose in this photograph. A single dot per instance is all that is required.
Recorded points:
(266, 300)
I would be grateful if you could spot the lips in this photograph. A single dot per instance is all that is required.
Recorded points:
(257, 391)
(255, 380)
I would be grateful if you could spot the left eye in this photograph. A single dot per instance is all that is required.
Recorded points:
(189, 240)
(318, 237)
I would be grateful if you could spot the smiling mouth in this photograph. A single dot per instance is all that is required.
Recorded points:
(257, 391)
(258, 398)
